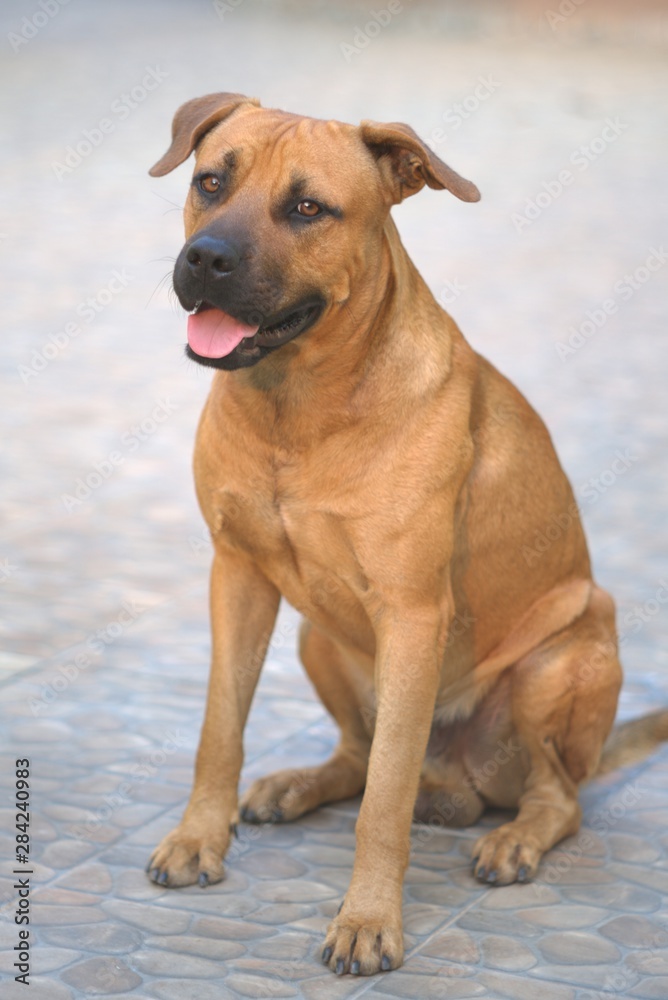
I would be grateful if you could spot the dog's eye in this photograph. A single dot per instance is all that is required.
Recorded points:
(309, 209)
(210, 184)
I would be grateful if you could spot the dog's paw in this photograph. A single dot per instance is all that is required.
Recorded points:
(280, 797)
(363, 946)
(507, 854)
(188, 856)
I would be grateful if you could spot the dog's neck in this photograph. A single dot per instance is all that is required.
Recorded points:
(309, 389)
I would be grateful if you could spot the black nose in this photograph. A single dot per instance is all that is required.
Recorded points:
(208, 254)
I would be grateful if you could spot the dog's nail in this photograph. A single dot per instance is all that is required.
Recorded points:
(340, 906)
(163, 878)
(475, 861)
(492, 877)
(481, 872)
(523, 874)
(339, 966)
(327, 954)
(203, 880)
(149, 866)
(155, 872)
(234, 831)
(355, 968)
(276, 815)
(385, 963)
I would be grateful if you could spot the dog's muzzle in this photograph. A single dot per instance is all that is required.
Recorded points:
(228, 327)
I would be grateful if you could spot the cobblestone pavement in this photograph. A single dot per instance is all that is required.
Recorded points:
(103, 559)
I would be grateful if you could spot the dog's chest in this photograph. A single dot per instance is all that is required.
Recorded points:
(294, 526)
(341, 530)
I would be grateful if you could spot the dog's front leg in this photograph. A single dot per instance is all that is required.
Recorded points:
(243, 611)
(366, 936)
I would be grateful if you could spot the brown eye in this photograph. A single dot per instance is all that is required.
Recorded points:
(210, 184)
(309, 208)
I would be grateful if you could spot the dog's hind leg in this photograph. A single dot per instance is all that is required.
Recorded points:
(287, 794)
(563, 702)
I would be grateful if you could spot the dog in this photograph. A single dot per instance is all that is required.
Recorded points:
(357, 457)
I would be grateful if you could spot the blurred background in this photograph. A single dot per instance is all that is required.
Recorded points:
(556, 109)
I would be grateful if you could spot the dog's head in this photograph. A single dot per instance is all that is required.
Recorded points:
(284, 216)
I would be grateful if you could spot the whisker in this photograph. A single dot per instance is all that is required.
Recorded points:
(174, 300)
(157, 288)
(158, 195)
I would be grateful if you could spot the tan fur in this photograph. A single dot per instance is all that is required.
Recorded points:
(385, 479)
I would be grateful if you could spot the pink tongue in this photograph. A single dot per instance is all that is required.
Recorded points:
(213, 334)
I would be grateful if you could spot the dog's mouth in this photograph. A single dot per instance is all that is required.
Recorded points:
(219, 340)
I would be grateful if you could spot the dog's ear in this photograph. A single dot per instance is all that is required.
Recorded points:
(191, 121)
(407, 163)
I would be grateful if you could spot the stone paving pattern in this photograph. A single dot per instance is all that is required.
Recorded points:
(104, 635)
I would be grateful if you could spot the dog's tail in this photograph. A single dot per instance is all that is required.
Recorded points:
(630, 742)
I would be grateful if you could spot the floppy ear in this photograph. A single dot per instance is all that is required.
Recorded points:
(191, 121)
(407, 163)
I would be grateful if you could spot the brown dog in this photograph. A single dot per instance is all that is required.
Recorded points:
(358, 457)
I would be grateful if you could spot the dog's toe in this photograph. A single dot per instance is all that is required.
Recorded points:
(363, 947)
(505, 855)
(183, 859)
(278, 798)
